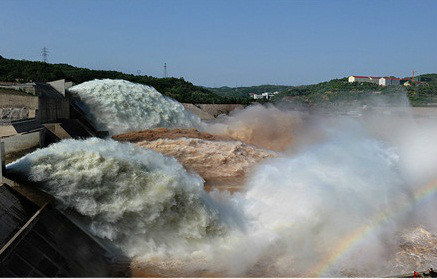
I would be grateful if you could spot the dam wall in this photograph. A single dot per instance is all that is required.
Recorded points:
(37, 114)
(21, 142)
(36, 240)
(11, 99)
(52, 105)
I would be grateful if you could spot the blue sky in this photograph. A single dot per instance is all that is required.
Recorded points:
(217, 43)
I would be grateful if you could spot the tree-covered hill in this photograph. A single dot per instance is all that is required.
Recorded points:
(340, 91)
(424, 94)
(177, 88)
(336, 90)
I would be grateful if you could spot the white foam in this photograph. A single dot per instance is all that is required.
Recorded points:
(140, 200)
(119, 106)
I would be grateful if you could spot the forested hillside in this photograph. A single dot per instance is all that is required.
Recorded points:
(336, 90)
(244, 91)
(177, 88)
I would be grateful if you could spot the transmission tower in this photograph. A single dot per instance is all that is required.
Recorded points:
(45, 54)
(165, 70)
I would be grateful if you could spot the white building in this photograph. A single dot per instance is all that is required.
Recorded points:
(265, 95)
(257, 96)
(384, 81)
(364, 79)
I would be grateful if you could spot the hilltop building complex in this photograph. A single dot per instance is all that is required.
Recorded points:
(383, 81)
(265, 95)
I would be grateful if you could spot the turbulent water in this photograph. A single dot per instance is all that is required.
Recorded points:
(295, 211)
(119, 106)
(263, 126)
(142, 201)
(348, 200)
(223, 164)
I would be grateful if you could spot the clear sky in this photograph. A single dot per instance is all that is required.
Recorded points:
(217, 43)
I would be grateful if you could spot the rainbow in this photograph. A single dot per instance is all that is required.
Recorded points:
(342, 247)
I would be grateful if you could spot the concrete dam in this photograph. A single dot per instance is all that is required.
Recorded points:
(36, 239)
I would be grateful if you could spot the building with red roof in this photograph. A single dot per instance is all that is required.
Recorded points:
(383, 81)
(364, 79)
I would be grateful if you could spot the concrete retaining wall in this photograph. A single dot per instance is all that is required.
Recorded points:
(52, 110)
(21, 142)
(7, 130)
(8, 100)
(14, 113)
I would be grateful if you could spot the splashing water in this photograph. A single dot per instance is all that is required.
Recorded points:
(296, 210)
(220, 163)
(137, 198)
(263, 126)
(119, 106)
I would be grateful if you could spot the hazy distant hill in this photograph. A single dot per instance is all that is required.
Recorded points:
(339, 91)
(244, 91)
(179, 89)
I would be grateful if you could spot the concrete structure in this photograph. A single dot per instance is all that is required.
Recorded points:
(384, 81)
(57, 130)
(2, 160)
(10, 100)
(258, 96)
(28, 88)
(19, 142)
(370, 79)
(36, 240)
(26, 108)
(52, 105)
(265, 95)
(43, 101)
(61, 85)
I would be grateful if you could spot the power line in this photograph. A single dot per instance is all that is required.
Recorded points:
(45, 54)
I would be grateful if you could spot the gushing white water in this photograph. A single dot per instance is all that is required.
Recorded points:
(142, 201)
(119, 106)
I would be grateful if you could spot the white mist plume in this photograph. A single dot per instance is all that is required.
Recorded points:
(119, 106)
(264, 126)
(314, 199)
(220, 163)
